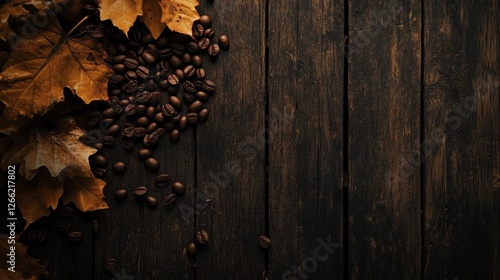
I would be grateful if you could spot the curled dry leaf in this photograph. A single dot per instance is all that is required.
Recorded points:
(58, 148)
(38, 70)
(85, 192)
(27, 268)
(122, 13)
(179, 15)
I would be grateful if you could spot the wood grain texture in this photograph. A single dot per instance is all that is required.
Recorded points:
(230, 171)
(306, 77)
(462, 111)
(384, 130)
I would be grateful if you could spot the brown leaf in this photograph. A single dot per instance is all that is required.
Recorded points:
(36, 73)
(179, 15)
(35, 197)
(26, 266)
(122, 13)
(85, 192)
(152, 17)
(57, 148)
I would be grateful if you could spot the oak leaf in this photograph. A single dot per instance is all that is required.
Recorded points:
(85, 192)
(33, 79)
(122, 13)
(179, 15)
(27, 268)
(58, 148)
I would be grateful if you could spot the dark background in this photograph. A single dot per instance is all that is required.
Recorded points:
(324, 108)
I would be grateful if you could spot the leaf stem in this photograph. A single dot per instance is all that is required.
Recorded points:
(80, 22)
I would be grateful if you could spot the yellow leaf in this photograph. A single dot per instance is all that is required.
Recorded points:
(27, 268)
(35, 197)
(85, 192)
(152, 17)
(39, 69)
(179, 15)
(122, 13)
(58, 148)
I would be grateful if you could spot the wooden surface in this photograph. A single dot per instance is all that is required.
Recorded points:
(322, 112)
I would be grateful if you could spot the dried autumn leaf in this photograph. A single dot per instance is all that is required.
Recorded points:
(26, 266)
(36, 197)
(58, 148)
(179, 15)
(39, 69)
(85, 192)
(152, 17)
(122, 13)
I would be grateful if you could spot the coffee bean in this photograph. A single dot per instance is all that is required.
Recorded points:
(162, 180)
(142, 72)
(223, 42)
(191, 249)
(168, 110)
(189, 87)
(204, 43)
(147, 39)
(99, 147)
(201, 237)
(152, 164)
(151, 202)
(119, 167)
(109, 113)
(180, 74)
(164, 53)
(183, 122)
(175, 62)
(186, 58)
(200, 73)
(202, 96)
(150, 84)
(140, 191)
(128, 132)
(110, 264)
(99, 172)
(63, 229)
(174, 135)
(133, 46)
(119, 69)
(178, 188)
(140, 132)
(100, 160)
(130, 87)
(192, 47)
(213, 50)
(188, 97)
(66, 212)
(209, 33)
(160, 118)
(108, 141)
(144, 153)
(153, 138)
(130, 75)
(192, 118)
(197, 61)
(151, 127)
(162, 42)
(41, 234)
(264, 242)
(132, 54)
(170, 200)
(114, 129)
(148, 58)
(175, 102)
(198, 85)
(206, 21)
(142, 121)
(198, 30)
(143, 97)
(208, 86)
(121, 48)
(150, 112)
(203, 115)
(173, 79)
(119, 58)
(121, 194)
(131, 63)
(75, 236)
(141, 110)
(155, 98)
(150, 48)
(177, 48)
(189, 71)
(195, 107)
(128, 144)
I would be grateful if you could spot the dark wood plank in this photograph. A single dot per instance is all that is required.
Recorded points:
(306, 79)
(147, 243)
(384, 131)
(462, 113)
(235, 217)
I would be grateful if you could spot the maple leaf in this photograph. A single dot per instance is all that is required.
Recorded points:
(179, 15)
(122, 13)
(152, 17)
(39, 69)
(58, 148)
(85, 192)
(27, 268)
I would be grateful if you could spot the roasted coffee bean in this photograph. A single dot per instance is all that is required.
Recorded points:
(197, 61)
(186, 58)
(148, 58)
(175, 62)
(178, 188)
(124, 102)
(203, 115)
(202, 96)
(142, 121)
(116, 92)
(162, 42)
(152, 202)
(209, 33)
(128, 132)
(204, 43)
(192, 118)
(164, 84)
(99, 172)
(192, 47)
(150, 84)
(150, 112)
(180, 74)
(114, 129)
(198, 30)
(206, 21)
(119, 58)
(189, 71)
(121, 48)
(151, 48)
(128, 144)
(198, 85)
(264, 242)
(141, 110)
(147, 39)
(99, 147)
(164, 53)
(66, 212)
(152, 164)
(155, 98)
(183, 122)
(170, 200)
(131, 63)
(177, 48)
(119, 167)
(208, 86)
(106, 123)
(162, 180)
(153, 138)
(213, 50)
(189, 87)
(201, 237)
(140, 132)
(41, 234)
(144, 153)
(140, 191)
(200, 73)
(130, 109)
(173, 79)
(169, 126)
(110, 264)
(131, 75)
(151, 127)
(109, 141)
(132, 54)
(188, 97)
(195, 107)
(121, 194)
(143, 97)
(119, 69)
(133, 46)
(109, 113)
(141, 61)
(175, 118)
(191, 249)
(100, 160)
(172, 90)
(130, 87)
(224, 42)
(168, 110)
(174, 135)
(175, 102)
(75, 236)
(160, 118)
(63, 229)
(142, 72)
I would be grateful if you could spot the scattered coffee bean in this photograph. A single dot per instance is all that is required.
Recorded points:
(213, 50)
(100, 160)
(204, 43)
(99, 172)
(195, 107)
(174, 135)
(203, 115)
(178, 188)
(75, 236)
(63, 229)
(121, 194)
(264, 242)
(162, 180)
(206, 21)
(110, 264)
(152, 164)
(144, 153)
(151, 202)
(140, 191)
(201, 237)
(119, 167)
(223, 42)
(66, 212)
(191, 249)
(170, 200)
